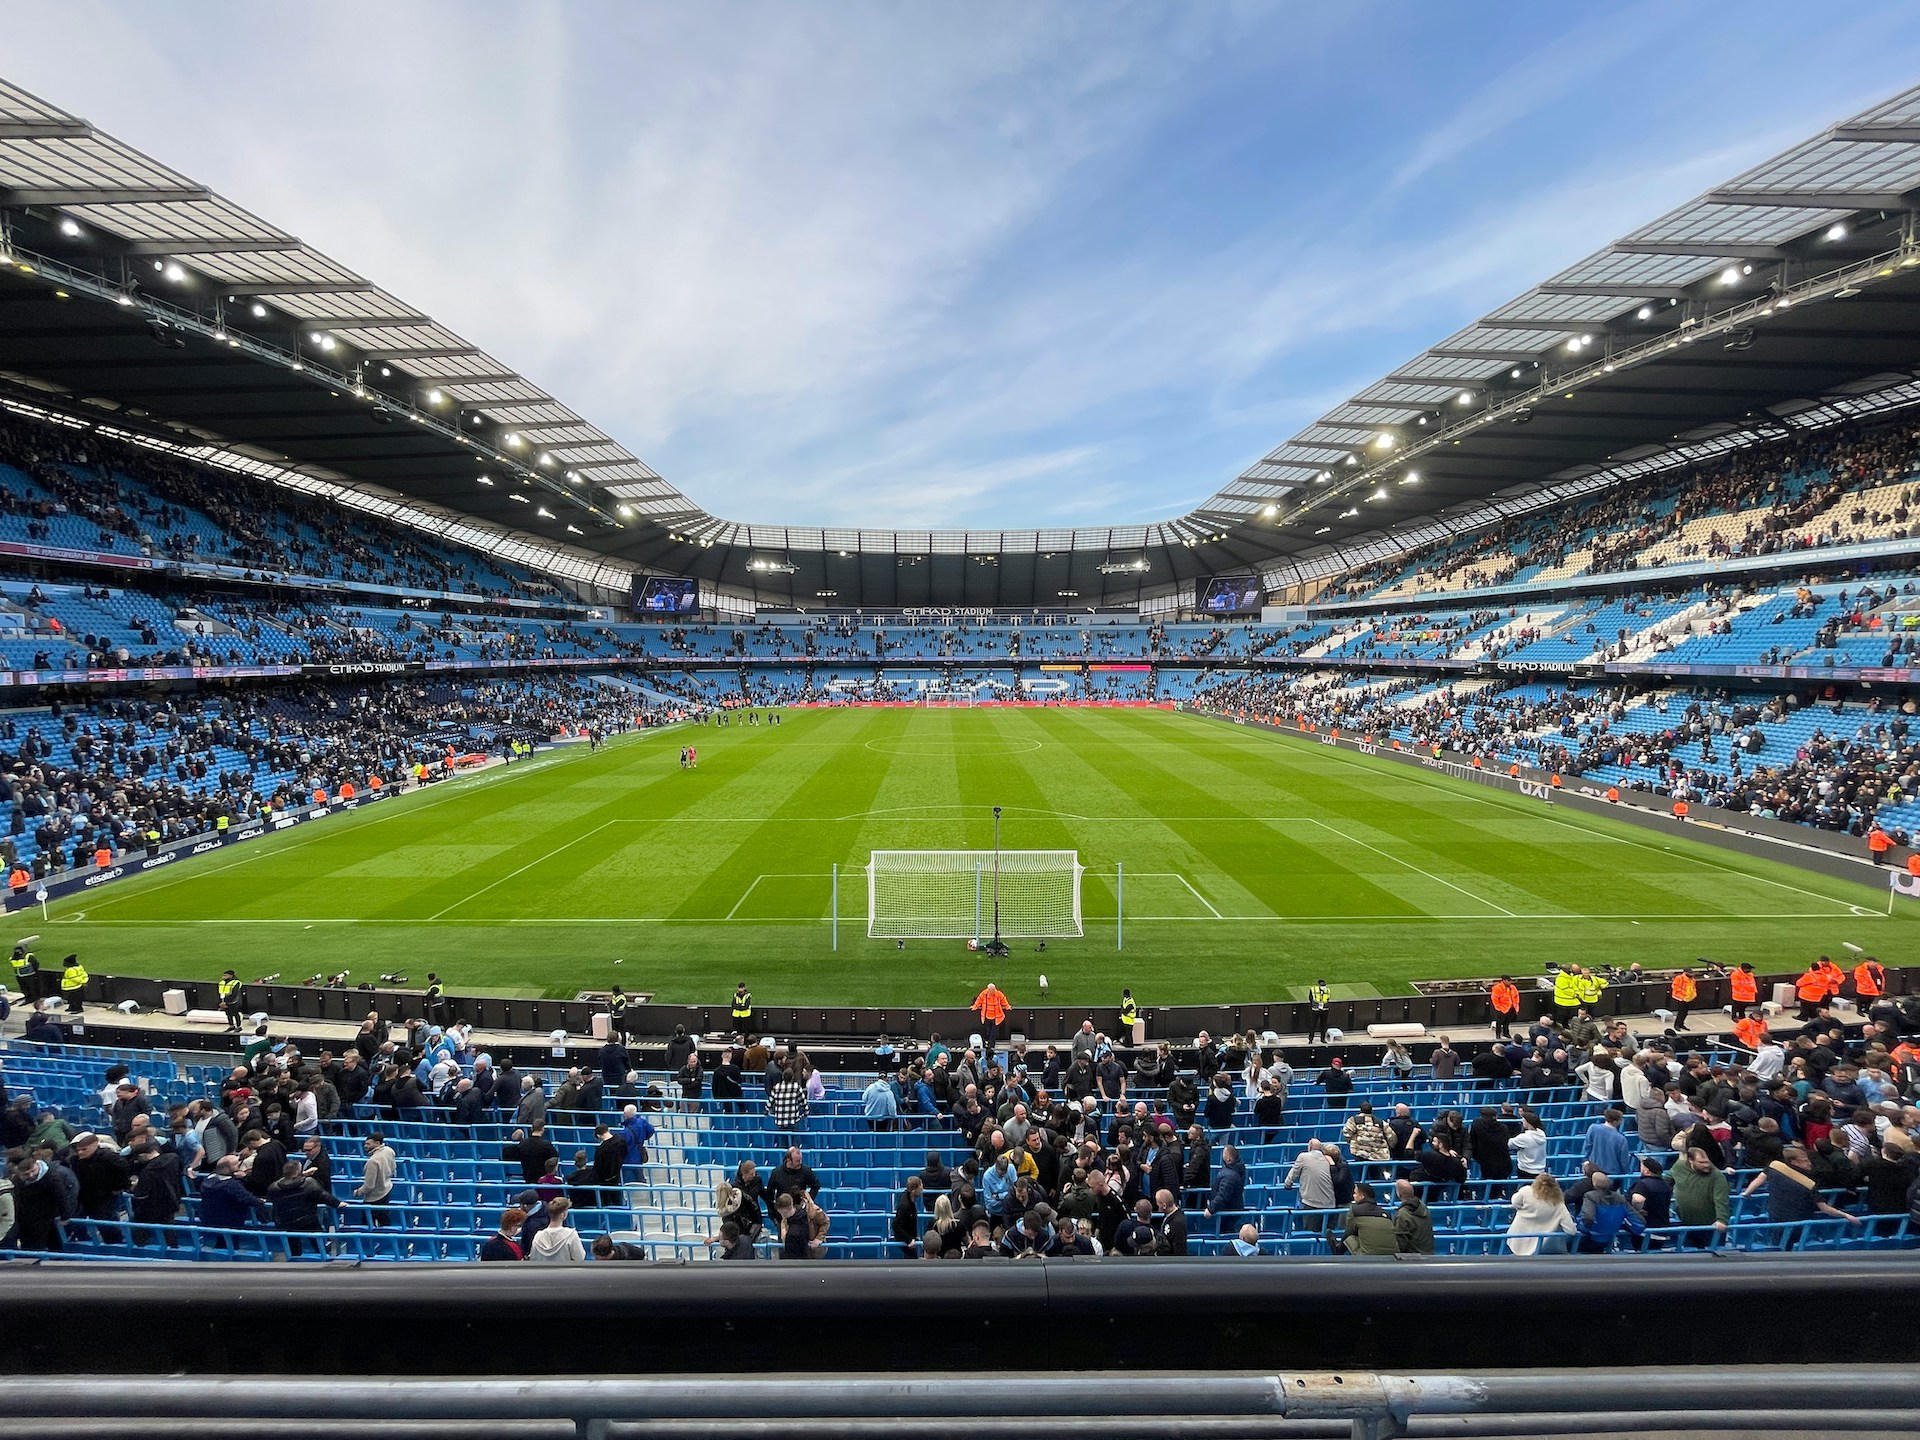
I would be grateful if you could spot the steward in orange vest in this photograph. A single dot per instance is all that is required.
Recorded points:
(1831, 975)
(1745, 985)
(1869, 979)
(1878, 843)
(1810, 989)
(1750, 1031)
(1684, 992)
(1506, 1004)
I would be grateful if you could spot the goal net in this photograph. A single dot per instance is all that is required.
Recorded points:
(949, 894)
(946, 697)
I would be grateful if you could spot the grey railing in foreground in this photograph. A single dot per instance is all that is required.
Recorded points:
(1361, 1405)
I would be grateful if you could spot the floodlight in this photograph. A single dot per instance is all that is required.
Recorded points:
(1730, 275)
(1379, 494)
(1645, 312)
(1837, 231)
(1466, 398)
(70, 228)
(434, 397)
(259, 311)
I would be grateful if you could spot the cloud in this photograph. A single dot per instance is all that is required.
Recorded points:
(1004, 265)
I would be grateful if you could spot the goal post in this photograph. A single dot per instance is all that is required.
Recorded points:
(947, 699)
(950, 894)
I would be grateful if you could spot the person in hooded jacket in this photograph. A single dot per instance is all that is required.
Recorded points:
(557, 1242)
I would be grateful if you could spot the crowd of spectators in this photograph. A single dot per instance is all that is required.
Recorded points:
(123, 775)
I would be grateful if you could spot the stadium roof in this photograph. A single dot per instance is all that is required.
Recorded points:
(131, 288)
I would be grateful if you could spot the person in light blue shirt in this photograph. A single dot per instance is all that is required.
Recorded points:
(1607, 1149)
(882, 1110)
(996, 1182)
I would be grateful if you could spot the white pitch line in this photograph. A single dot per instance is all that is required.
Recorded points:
(1701, 860)
(1388, 854)
(1422, 919)
(743, 896)
(1509, 805)
(1198, 896)
(541, 860)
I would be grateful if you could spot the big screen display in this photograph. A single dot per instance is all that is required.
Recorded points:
(666, 595)
(1234, 595)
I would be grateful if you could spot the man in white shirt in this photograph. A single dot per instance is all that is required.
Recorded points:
(1768, 1060)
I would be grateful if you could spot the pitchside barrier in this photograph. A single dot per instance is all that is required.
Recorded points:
(652, 1024)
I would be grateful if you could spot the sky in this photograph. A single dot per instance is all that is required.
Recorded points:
(986, 265)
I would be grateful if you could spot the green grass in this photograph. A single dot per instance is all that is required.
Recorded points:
(1254, 863)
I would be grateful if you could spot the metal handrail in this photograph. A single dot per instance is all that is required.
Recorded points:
(1363, 1404)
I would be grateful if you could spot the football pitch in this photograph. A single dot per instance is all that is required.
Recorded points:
(1253, 864)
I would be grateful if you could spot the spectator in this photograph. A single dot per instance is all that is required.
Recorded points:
(376, 1181)
(557, 1242)
(1540, 1220)
(298, 1202)
(1368, 1230)
(504, 1243)
(1412, 1221)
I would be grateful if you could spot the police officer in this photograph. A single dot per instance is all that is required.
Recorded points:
(73, 985)
(1319, 1005)
(230, 999)
(742, 1008)
(26, 974)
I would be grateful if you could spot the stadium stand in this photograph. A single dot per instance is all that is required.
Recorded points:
(414, 1147)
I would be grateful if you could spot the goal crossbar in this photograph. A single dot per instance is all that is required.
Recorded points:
(952, 894)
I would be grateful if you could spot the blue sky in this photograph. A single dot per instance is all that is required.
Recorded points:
(985, 265)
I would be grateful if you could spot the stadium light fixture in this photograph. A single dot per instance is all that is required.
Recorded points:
(1412, 477)
(543, 512)
(1323, 477)
(518, 498)
(546, 460)
(1349, 514)
(488, 480)
(1515, 373)
(1324, 529)
(626, 512)
(1383, 440)
(259, 311)
(174, 273)
(1837, 230)
(1379, 494)
(434, 397)
(1465, 398)
(1645, 312)
(1353, 459)
(70, 227)
(1271, 511)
